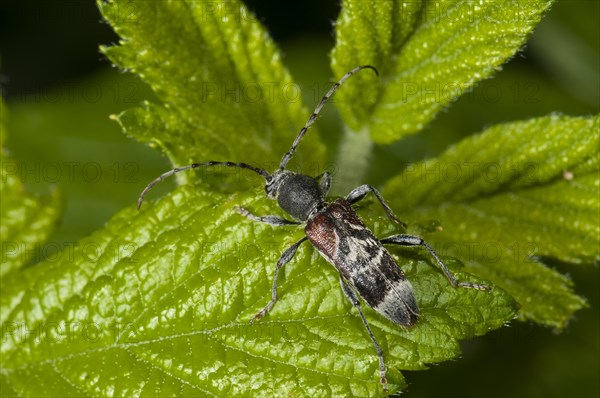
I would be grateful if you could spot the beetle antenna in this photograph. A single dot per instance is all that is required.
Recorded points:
(286, 158)
(195, 165)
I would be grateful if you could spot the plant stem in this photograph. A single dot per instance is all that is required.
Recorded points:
(352, 161)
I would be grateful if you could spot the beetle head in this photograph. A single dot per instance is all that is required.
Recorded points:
(298, 194)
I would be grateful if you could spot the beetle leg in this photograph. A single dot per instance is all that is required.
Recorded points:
(325, 182)
(410, 240)
(359, 193)
(271, 220)
(283, 260)
(356, 303)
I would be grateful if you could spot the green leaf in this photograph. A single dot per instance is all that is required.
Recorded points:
(429, 53)
(369, 32)
(166, 295)
(82, 153)
(508, 199)
(222, 92)
(26, 219)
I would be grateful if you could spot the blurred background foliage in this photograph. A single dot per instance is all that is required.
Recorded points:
(60, 92)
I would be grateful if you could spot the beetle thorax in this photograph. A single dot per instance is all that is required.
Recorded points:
(298, 194)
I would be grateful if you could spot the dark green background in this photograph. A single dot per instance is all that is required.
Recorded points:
(60, 91)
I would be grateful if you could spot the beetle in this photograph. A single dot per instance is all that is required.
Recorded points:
(366, 268)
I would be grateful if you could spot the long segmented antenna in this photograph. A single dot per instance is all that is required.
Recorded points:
(195, 165)
(286, 158)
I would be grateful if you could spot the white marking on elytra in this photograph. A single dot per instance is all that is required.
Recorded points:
(397, 290)
(357, 256)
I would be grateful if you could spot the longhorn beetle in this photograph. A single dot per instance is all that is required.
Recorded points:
(339, 235)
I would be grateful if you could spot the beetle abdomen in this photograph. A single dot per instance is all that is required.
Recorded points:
(343, 240)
